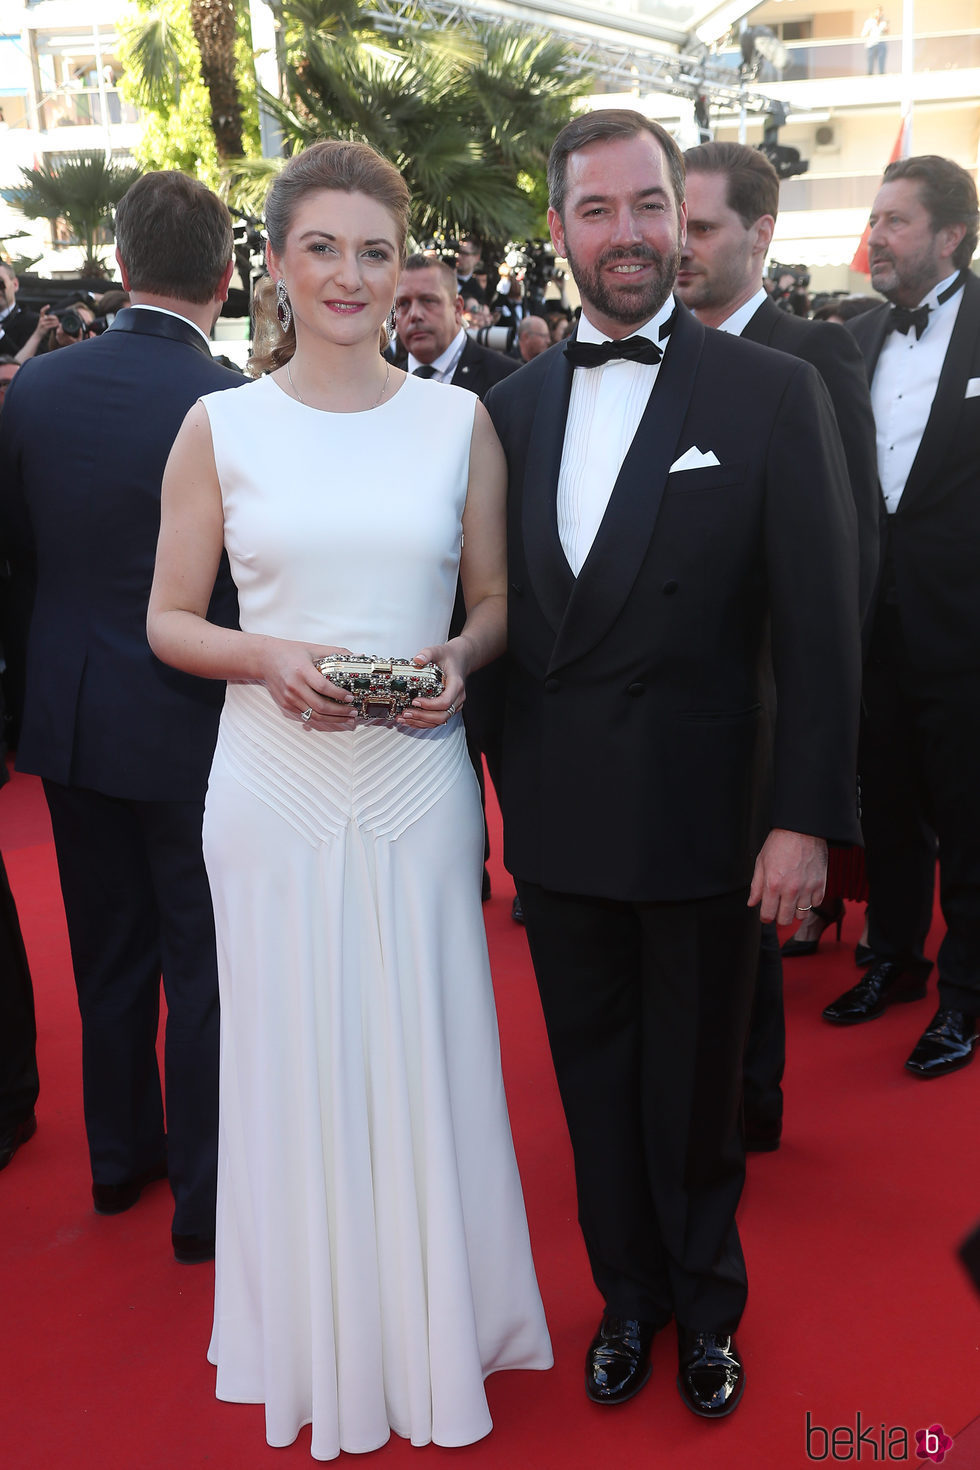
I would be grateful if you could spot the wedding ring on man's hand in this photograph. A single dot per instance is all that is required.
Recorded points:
(306, 716)
(803, 908)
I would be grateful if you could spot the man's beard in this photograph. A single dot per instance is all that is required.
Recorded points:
(630, 305)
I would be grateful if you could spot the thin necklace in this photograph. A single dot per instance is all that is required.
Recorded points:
(303, 401)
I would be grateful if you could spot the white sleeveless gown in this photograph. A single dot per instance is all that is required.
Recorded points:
(373, 1263)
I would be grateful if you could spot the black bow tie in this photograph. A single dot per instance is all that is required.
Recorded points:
(424, 370)
(902, 318)
(595, 354)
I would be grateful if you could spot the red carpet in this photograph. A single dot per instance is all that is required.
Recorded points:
(857, 1303)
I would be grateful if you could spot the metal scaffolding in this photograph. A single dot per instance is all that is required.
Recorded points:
(639, 64)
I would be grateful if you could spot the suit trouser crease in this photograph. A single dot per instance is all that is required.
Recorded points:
(647, 1010)
(138, 905)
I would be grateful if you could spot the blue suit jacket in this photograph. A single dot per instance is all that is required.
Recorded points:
(84, 438)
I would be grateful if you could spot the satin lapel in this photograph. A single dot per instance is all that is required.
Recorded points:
(949, 395)
(606, 580)
(547, 567)
(872, 342)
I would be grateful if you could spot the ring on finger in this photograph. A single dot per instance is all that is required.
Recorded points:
(451, 711)
(307, 716)
(803, 908)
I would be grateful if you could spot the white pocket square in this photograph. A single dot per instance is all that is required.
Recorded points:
(972, 388)
(694, 459)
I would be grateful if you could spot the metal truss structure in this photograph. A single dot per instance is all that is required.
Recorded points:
(640, 63)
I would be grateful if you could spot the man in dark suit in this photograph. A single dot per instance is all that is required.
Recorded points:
(429, 324)
(122, 742)
(664, 522)
(732, 203)
(921, 710)
(16, 324)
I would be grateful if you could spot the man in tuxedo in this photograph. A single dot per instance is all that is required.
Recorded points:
(429, 324)
(468, 258)
(123, 743)
(681, 534)
(921, 709)
(16, 324)
(732, 203)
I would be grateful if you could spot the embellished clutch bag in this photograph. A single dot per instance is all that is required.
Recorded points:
(391, 683)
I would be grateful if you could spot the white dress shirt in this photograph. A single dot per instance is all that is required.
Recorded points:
(445, 364)
(604, 412)
(904, 386)
(736, 323)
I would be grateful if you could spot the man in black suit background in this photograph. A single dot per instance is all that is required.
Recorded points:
(429, 325)
(664, 519)
(16, 324)
(123, 743)
(920, 730)
(732, 204)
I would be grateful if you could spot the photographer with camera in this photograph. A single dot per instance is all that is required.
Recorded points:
(61, 328)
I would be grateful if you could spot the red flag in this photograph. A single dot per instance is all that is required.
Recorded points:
(860, 262)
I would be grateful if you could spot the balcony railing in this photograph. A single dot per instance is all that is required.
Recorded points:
(81, 107)
(818, 60)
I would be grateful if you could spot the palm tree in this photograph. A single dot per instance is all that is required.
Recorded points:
(215, 25)
(80, 188)
(467, 115)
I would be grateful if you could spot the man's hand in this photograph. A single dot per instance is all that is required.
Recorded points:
(790, 874)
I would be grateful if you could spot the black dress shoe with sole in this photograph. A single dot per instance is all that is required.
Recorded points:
(617, 1364)
(886, 983)
(710, 1375)
(192, 1250)
(517, 910)
(946, 1045)
(13, 1135)
(115, 1199)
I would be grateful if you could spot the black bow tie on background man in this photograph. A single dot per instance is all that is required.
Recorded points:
(902, 318)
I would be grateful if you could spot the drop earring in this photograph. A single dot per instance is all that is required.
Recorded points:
(283, 309)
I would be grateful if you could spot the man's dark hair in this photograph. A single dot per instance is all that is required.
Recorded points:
(603, 127)
(948, 194)
(753, 183)
(447, 275)
(174, 237)
(7, 361)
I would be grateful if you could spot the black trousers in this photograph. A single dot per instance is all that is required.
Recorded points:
(920, 735)
(647, 1008)
(765, 1046)
(18, 1031)
(138, 904)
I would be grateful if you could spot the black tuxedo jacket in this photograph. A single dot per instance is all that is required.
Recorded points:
(934, 535)
(637, 755)
(15, 330)
(84, 438)
(480, 367)
(832, 351)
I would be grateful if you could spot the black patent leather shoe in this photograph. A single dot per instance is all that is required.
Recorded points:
(946, 1045)
(13, 1135)
(710, 1375)
(885, 984)
(192, 1250)
(617, 1364)
(517, 910)
(114, 1199)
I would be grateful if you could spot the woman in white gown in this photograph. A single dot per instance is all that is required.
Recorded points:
(372, 1257)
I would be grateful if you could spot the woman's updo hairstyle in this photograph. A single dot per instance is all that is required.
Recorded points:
(354, 168)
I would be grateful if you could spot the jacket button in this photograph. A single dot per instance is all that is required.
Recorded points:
(669, 588)
(552, 685)
(636, 690)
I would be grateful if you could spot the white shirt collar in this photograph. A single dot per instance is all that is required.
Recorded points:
(742, 315)
(445, 360)
(932, 298)
(165, 312)
(587, 332)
